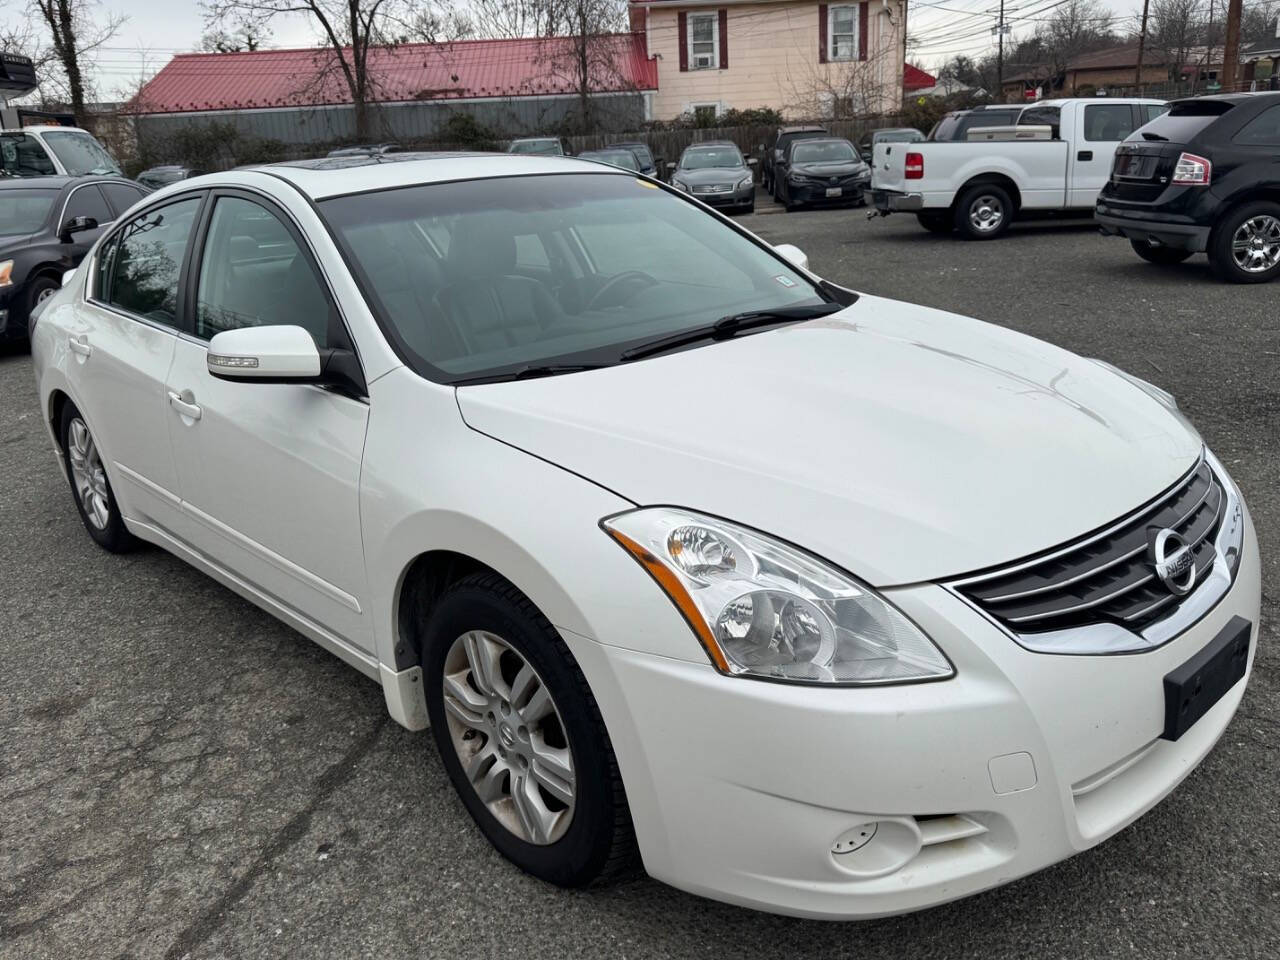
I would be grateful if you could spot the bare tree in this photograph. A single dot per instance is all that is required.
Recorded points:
(518, 18)
(1074, 28)
(589, 56)
(351, 30)
(73, 32)
(1174, 31)
(248, 34)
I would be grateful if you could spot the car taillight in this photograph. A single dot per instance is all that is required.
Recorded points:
(1192, 170)
(915, 166)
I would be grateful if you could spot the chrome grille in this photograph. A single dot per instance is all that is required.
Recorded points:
(1108, 577)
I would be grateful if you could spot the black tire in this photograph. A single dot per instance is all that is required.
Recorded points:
(775, 193)
(750, 207)
(39, 287)
(969, 209)
(1164, 256)
(111, 535)
(599, 842)
(936, 222)
(1221, 254)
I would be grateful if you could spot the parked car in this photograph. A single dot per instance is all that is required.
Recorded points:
(626, 159)
(776, 150)
(866, 145)
(717, 174)
(823, 172)
(979, 188)
(47, 225)
(956, 124)
(648, 165)
(1203, 178)
(365, 150)
(44, 151)
(447, 420)
(542, 146)
(154, 178)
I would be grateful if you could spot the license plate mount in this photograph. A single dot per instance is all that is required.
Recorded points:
(1193, 688)
(834, 191)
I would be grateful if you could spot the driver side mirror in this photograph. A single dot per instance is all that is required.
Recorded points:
(752, 161)
(671, 166)
(793, 255)
(264, 354)
(76, 225)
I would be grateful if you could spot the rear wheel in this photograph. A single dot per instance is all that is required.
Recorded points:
(90, 486)
(936, 222)
(1165, 256)
(1245, 245)
(521, 736)
(983, 212)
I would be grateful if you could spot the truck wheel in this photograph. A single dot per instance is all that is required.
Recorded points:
(983, 212)
(936, 222)
(1165, 256)
(1245, 245)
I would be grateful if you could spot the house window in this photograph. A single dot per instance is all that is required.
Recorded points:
(704, 41)
(704, 114)
(842, 32)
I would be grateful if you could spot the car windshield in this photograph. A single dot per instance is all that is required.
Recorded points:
(80, 153)
(641, 151)
(24, 211)
(486, 277)
(705, 158)
(822, 151)
(619, 158)
(536, 146)
(161, 177)
(23, 156)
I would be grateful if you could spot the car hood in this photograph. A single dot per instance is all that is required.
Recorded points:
(712, 175)
(902, 443)
(829, 169)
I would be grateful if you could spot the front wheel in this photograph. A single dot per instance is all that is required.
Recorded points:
(1245, 245)
(983, 212)
(521, 736)
(1165, 256)
(90, 487)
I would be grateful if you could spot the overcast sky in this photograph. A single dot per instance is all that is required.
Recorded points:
(156, 30)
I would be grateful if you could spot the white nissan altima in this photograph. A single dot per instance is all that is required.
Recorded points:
(811, 601)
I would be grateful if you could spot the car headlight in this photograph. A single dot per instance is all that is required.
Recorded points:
(1163, 396)
(6, 273)
(762, 608)
(745, 182)
(680, 185)
(797, 178)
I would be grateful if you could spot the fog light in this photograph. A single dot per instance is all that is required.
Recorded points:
(874, 848)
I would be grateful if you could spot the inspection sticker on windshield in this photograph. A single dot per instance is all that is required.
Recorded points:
(785, 281)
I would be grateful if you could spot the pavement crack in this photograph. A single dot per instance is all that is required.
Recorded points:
(209, 921)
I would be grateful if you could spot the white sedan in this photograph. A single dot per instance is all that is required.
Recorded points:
(812, 601)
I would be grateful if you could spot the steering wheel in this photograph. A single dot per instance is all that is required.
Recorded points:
(613, 283)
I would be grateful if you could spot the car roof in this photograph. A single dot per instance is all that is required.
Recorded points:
(39, 183)
(44, 128)
(808, 129)
(532, 139)
(711, 143)
(831, 139)
(337, 176)
(1250, 96)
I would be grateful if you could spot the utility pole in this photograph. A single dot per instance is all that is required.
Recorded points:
(1000, 30)
(1142, 44)
(1231, 53)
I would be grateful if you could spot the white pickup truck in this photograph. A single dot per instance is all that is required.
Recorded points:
(977, 187)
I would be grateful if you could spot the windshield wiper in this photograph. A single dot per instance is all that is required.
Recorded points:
(531, 371)
(730, 326)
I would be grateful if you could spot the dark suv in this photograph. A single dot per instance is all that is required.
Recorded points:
(1203, 178)
(776, 150)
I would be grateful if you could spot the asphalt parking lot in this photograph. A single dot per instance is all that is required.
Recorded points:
(182, 776)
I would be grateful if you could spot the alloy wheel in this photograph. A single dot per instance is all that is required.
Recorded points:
(1255, 246)
(986, 213)
(45, 294)
(509, 737)
(87, 473)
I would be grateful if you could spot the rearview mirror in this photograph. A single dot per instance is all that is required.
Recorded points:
(76, 225)
(793, 255)
(264, 354)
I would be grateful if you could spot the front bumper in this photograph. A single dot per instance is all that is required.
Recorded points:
(742, 790)
(891, 201)
(816, 193)
(738, 197)
(1151, 228)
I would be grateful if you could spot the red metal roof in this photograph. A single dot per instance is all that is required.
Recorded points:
(412, 71)
(913, 78)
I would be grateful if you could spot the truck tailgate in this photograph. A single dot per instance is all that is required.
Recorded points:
(888, 166)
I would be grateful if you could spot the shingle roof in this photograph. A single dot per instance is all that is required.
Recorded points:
(411, 71)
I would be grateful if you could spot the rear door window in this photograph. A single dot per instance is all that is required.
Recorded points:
(122, 196)
(1262, 131)
(1184, 121)
(1107, 122)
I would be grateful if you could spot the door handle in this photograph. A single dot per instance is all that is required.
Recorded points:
(1084, 155)
(182, 402)
(80, 345)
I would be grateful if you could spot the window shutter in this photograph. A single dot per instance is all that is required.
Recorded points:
(684, 41)
(862, 30)
(822, 33)
(724, 38)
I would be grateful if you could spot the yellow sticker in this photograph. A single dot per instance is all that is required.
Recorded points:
(646, 183)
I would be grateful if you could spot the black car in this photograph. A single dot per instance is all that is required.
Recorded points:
(821, 172)
(957, 124)
(1203, 178)
(156, 177)
(615, 156)
(47, 225)
(648, 165)
(867, 144)
(776, 150)
(716, 173)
